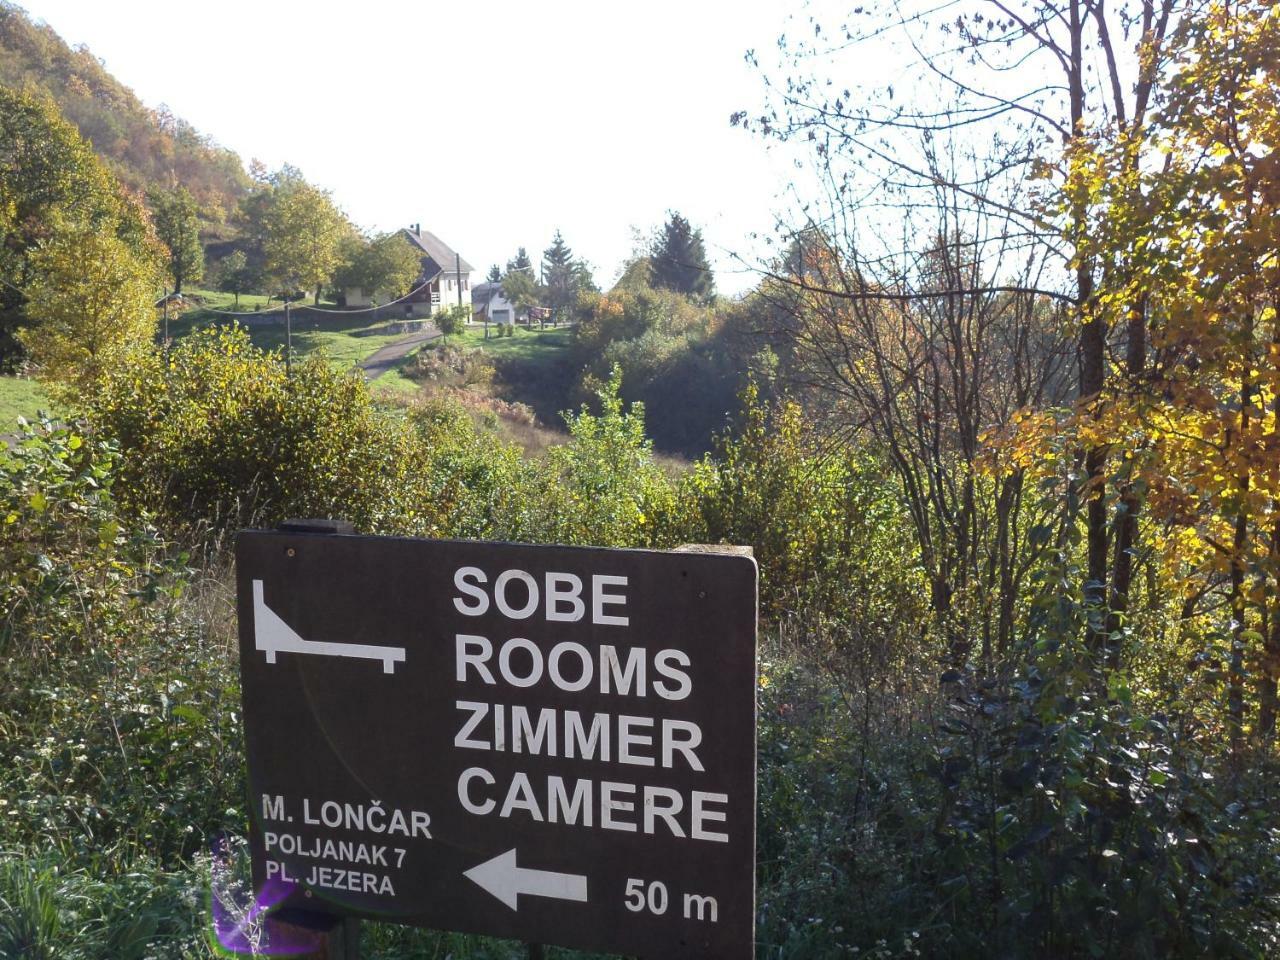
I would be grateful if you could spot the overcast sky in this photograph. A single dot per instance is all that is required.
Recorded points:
(490, 122)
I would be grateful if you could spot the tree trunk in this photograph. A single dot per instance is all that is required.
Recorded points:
(1093, 362)
(1235, 677)
(1130, 504)
(1268, 694)
(1270, 667)
(1008, 497)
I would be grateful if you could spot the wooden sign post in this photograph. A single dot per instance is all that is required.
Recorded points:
(549, 744)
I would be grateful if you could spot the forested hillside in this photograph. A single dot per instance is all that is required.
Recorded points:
(144, 148)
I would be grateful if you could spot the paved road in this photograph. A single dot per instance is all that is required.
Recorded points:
(392, 353)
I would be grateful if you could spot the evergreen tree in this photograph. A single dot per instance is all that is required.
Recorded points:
(585, 279)
(520, 262)
(519, 287)
(557, 255)
(495, 275)
(562, 274)
(679, 260)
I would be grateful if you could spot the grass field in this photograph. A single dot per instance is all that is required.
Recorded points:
(523, 346)
(343, 343)
(533, 367)
(395, 383)
(345, 340)
(529, 361)
(211, 300)
(20, 397)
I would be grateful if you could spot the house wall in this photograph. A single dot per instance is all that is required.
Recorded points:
(449, 283)
(419, 305)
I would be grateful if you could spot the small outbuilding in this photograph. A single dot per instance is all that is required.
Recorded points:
(489, 305)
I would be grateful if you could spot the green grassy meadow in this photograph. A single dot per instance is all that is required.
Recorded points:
(20, 397)
(345, 340)
(217, 300)
(529, 359)
(394, 382)
(524, 345)
(533, 367)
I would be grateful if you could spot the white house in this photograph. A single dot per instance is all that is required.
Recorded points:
(445, 280)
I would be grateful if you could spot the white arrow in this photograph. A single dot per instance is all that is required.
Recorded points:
(501, 877)
(272, 635)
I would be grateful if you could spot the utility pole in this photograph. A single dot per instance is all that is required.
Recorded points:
(288, 341)
(163, 304)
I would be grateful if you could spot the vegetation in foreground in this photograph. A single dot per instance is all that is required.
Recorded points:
(895, 816)
(1019, 547)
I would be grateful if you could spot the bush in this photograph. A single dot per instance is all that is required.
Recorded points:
(451, 319)
(476, 484)
(218, 435)
(116, 711)
(603, 487)
(452, 366)
(824, 519)
(74, 575)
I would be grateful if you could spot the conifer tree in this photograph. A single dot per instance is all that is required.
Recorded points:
(679, 260)
(562, 274)
(521, 261)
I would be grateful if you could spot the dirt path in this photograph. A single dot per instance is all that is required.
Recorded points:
(386, 358)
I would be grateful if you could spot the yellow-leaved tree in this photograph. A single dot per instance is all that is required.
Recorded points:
(89, 304)
(1184, 230)
(304, 233)
(50, 183)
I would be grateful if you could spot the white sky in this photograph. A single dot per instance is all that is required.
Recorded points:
(490, 122)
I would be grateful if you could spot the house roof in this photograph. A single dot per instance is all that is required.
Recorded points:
(442, 255)
(481, 292)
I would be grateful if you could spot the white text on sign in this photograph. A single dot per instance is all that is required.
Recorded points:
(626, 738)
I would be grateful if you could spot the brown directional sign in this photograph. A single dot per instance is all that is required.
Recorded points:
(546, 743)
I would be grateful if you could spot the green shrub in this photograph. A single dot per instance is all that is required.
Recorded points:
(475, 484)
(116, 710)
(74, 575)
(218, 435)
(451, 319)
(603, 487)
(824, 519)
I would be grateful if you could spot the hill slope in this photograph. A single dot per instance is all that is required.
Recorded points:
(143, 147)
